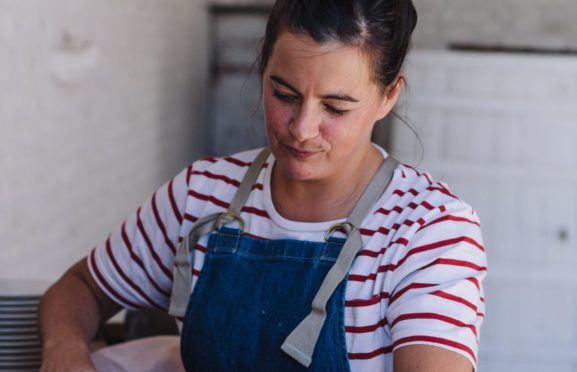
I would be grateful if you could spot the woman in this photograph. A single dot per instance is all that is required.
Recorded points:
(325, 254)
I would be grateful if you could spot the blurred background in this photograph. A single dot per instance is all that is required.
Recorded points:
(102, 102)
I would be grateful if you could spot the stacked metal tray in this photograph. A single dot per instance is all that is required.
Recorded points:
(19, 339)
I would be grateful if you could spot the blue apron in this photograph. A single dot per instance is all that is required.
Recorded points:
(250, 295)
(251, 306)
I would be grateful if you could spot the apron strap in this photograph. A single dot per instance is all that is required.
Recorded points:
(182, 274)
(243, 191)
(301, 342)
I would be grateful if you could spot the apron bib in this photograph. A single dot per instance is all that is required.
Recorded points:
(250, 295)
(267, 305)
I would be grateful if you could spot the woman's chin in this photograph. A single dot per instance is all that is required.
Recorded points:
(294, 170)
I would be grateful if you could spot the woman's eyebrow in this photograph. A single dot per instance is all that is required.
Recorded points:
(283, 82)
(340, 97)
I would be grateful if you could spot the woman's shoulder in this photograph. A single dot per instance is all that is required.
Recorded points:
(415, 187)
(427, 225)
(415, 202)
(228, 168)
(235, 162)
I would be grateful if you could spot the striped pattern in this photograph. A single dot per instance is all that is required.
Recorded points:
(416, 280)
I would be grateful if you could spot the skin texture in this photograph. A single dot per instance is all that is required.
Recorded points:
(320, 105)
(427, 358)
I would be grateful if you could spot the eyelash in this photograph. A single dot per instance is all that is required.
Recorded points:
(288, 98)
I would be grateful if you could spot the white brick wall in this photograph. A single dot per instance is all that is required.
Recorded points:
(100, 103)
(502, 131)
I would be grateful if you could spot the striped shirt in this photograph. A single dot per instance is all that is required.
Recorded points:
(416, 280)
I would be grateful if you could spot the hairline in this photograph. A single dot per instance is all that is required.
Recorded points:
(360, 42)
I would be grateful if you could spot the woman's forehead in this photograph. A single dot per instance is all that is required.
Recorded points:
(297, 56)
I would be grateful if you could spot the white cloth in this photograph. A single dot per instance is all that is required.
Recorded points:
(151, 354)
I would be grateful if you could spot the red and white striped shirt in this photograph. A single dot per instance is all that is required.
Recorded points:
(416, 280)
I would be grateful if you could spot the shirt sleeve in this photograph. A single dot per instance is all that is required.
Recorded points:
(437, 295)
(133, 266)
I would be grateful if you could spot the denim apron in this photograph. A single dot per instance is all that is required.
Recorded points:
(267, 305)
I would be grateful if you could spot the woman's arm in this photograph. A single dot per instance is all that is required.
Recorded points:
(69, 316)
(426, 358)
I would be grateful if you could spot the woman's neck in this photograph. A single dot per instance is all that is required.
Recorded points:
(327, 199)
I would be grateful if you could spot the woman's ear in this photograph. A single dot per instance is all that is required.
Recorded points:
(390, 97)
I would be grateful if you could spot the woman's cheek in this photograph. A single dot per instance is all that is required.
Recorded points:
(277, 116)
(335, 127)
(352, 126)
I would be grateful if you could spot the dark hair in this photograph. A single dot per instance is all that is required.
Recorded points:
(381, 28)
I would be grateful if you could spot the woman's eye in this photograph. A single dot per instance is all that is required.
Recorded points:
(335, 111)
(289, 98)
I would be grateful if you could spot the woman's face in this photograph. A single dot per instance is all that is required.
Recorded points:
(320, 107)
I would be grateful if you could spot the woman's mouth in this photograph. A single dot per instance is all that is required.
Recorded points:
(300, 154)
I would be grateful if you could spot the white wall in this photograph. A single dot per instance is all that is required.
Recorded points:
(545, 24)
(100, 103)
(534, 23)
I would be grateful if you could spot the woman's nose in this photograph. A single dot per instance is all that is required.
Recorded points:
(305, 124)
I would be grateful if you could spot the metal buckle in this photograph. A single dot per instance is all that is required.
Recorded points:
(347, 227)
(228, 217)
